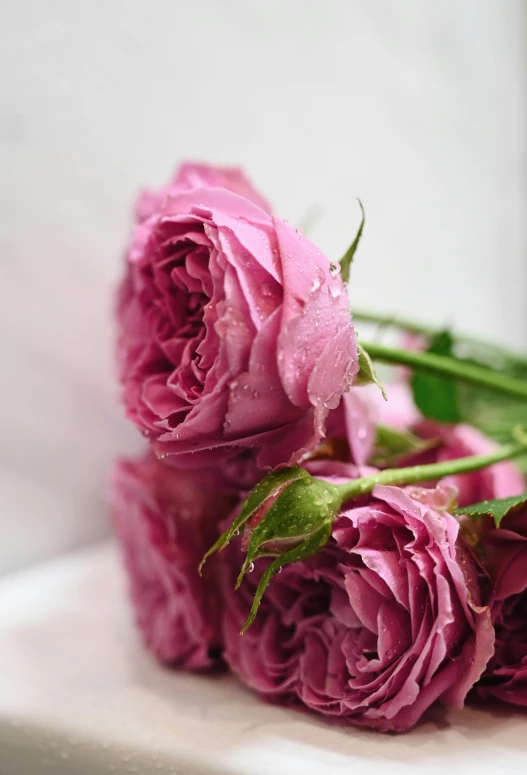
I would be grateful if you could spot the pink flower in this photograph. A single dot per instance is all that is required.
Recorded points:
(165, 521)
(192, 175)
(505, 554)
(380, 624)
(454, 441)
(234, 332)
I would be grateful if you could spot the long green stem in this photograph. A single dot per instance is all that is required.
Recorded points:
(413, 327)
(426, 473)
(393, 321)
(448, 367)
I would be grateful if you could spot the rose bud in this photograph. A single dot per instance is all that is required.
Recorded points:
(288, 516)
(234, 332)
(504, 553)
(384, 621)
(164, 520)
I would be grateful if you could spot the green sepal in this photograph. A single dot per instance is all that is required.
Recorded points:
(307, 548)
(347, 258)
(495, 509)
(266, 488)
(366, 374)
(393, 445)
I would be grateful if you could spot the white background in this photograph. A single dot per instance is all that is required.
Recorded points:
(417, 107)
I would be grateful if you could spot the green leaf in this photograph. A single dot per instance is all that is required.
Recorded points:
(266, 488)
(494, 414)
(393, 445)
(307, 548)
(437, 397)
(496, 509)
(347, 258)
(367, 375)
(450, 401)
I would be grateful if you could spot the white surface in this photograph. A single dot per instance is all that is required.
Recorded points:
(79, 696)
(417, 107)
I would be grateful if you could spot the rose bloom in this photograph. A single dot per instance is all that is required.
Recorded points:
(453, 441)
(165, 520)
(505, 554)
(376, 627)
(234, 330)
(192, 175)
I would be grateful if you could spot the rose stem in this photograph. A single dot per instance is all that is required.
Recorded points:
(448, 367)
(412, 327)
(429, 472)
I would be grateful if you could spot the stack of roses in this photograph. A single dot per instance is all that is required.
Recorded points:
(237, 356)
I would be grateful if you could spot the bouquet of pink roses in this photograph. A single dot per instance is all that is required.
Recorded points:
(363, 557)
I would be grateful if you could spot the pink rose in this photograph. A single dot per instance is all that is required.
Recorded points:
(165, 520)
(506, 557)
(454, 441)
(192, 175)
(380, 624)
(234, 332)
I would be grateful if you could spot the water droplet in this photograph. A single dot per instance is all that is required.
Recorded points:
(279, 569)
(335, 289)
(237, 531)
(250, 567)
(334, 268)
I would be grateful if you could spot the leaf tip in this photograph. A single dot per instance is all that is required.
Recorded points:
(241, 575)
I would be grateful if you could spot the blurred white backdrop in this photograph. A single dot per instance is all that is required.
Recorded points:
(416, 107)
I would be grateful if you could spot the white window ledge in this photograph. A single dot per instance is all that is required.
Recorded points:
(79, 695)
